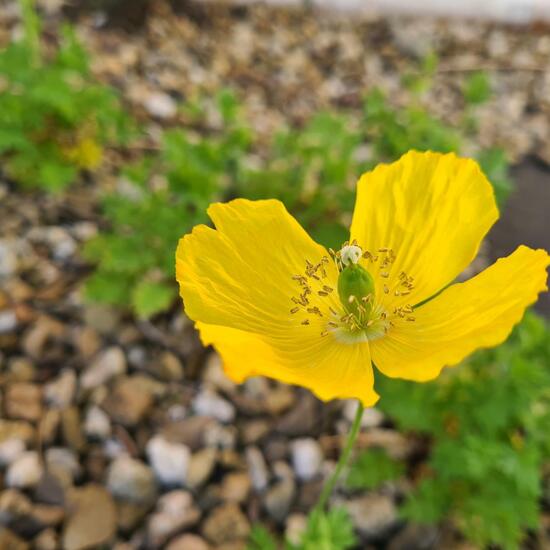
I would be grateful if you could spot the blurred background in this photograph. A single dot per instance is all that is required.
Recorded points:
(119, 123)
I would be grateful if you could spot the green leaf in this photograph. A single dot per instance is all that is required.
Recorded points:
(332, 530)
(477, 88)
(149, 298)
(261, 539)
(373, 468)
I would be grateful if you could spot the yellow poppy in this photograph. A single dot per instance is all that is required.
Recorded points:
(275, 303)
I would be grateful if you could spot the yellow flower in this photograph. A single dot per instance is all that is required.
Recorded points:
(275, 303)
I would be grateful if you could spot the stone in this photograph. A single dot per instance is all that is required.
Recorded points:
(189, 431)
(71, 428)
(15, 429)
(278, 499)
(209, 403)
(371, 418)
(63, 462)
(295, 526)
(415, 537)
(174, 512)
(223, 437)
(214, 375)
(170, 461)
(257, 468)
(8, 321)
(160, 105)
(253, 431)
(48, 427)
(92, 518)
(235, 487)
(25, 471)
(10, 450)
(373, 515)
(130, 515)
(307, 458)
(201, 467)
(60, 392)
(108, 364)
(132, 480)
(24, 401)
(226, 523)
(10, 541)
(46, 540)
(303, 419)
(97, 424)
(188, 542)
(129, 402)
(169, 367)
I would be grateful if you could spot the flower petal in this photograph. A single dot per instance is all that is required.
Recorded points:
(328, 368)
(432, 209)
(478, 313)
(240, 275)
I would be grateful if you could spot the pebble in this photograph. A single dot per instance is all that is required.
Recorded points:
(201, 466)
(174, 512)
(169, 367)
(10, 541)
(303, 419)
(259, 475)
(226, 523)
(60, 392)
(371, 418)
(61, 461)
(294, 527)
(24, 401)
(8, 321)
(132, 480)
(188, 542)
(161, 105)
(235, 487)
(9, 262)
(97, 424)
(16, 429)
(170, 461)
(25, 471)
(92, 520)
(307, 458)
(209, 403)
(278, 499)
(46, 540)
(10, 450)
(373, 515)
(129, 401)
(106, 365)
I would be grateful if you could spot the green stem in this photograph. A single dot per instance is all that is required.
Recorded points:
(342, 461)
(31, 24)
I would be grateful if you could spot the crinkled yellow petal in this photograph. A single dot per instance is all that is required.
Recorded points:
(240, 274)
(478, 313)
(433, 210)
(328, 368)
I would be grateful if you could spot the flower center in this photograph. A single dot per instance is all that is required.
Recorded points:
(359, 314)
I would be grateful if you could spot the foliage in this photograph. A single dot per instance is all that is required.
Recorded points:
(372, 468)
(163, 196)
(56, 119)
(488, 422)
(312, 169)
(330, 530)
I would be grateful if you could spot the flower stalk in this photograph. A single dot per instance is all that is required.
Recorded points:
(342, 461)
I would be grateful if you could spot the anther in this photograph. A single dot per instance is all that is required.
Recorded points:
(327, 288)
(322, 293)
(386, 289)
(294, 310)
(305, 322)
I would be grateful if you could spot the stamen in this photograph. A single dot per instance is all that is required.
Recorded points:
(295, 310)
(305, 322)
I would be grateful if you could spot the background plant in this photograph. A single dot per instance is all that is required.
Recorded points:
(56, 119)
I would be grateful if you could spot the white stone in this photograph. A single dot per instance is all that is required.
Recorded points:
(25, 471)
(8, 321)
(371, 418)
(161, 105)
(170, 461)
(307, 458)
(257, 468)
(131, 480)
(60, 392)
(63, 460)
(209, 403)
(97, 424)
(106, 365)
(10, 450)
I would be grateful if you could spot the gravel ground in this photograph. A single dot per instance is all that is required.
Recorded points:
(127, 434)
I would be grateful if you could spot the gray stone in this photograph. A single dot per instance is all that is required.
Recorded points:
(259, 474)
(209, 403)
(307, 458)
(170, 461)
(60, 392)
(108, 364)
(132, 480)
